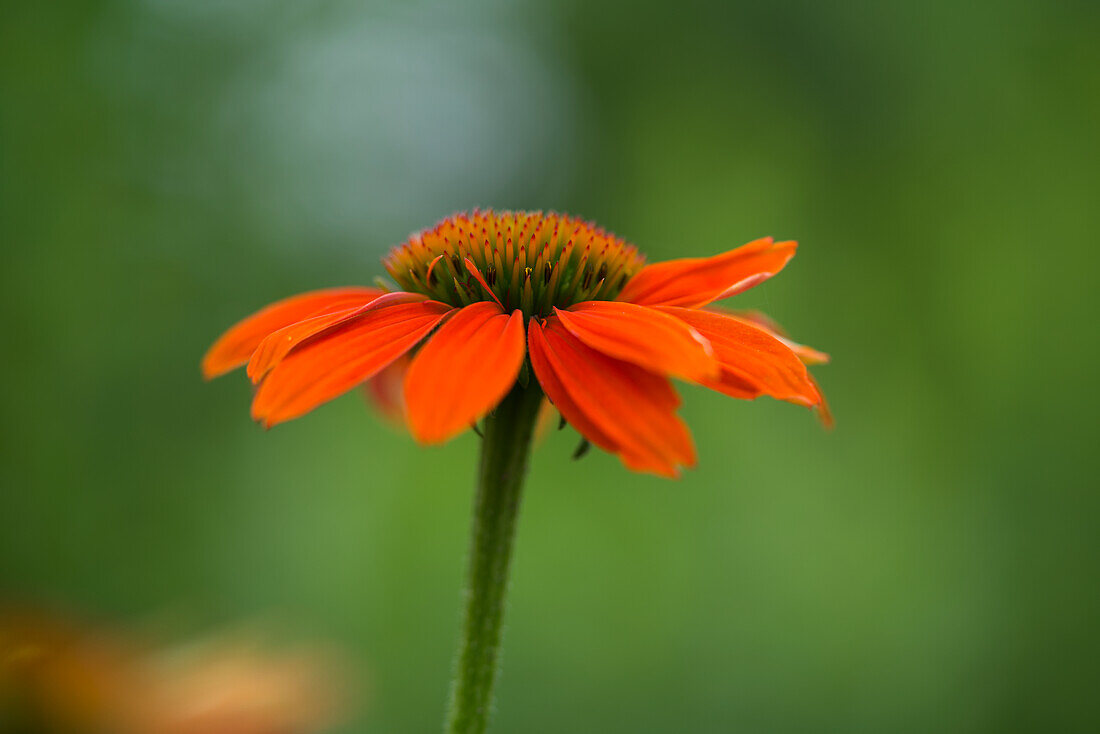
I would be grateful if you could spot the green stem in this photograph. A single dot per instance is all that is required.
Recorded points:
(504, 449)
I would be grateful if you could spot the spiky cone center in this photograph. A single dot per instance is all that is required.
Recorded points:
(526, 260)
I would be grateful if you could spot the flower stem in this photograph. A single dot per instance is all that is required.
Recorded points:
(504, 449)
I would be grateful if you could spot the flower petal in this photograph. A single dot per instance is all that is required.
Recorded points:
(695, 282)
(466, 368)
(618, 406)
(337, 359)
(386, 390)
(472, 269)
(236, 345)
(753, 360)
(642, 335)
(824, 412)
(278, 344)
(559, 397)
(808, 355)
(547, 419)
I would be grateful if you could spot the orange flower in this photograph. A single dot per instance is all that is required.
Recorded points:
(487, 299)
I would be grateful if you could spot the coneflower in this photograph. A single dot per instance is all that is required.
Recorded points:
(495, 310)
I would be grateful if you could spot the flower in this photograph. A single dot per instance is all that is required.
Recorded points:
(57, 675)
(489, 298)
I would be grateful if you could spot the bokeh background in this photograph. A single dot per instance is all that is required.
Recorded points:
(168, 166)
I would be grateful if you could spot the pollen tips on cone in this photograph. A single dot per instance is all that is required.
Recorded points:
(526, 260)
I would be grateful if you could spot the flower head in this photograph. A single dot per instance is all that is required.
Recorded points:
(490, 298)
(527, 261)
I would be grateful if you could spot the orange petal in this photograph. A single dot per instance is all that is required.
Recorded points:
(337, 359)
(642, 335)
(695, 282)
(824, 412)
(278, 344)
(753, 360)
(481, 280)
(752, 316)
(466, 368)
(808, 355)
(236, 345)
(386, 390)
(559, 396)
(618, 406)
(546, 420)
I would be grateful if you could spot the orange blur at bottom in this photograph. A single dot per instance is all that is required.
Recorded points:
(57, 677)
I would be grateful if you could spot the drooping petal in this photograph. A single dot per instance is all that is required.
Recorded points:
(466, 368)
(695, 282)
(547, 419)
(752, 316)
(337, 359)
(643, 336)
(235, 346)
(753, 360)
(618, 406)
(808, 355)
(824, 412)
(555, 391)
(278, 344)
(386, 390)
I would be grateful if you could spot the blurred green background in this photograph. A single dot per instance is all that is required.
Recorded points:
(168, 166)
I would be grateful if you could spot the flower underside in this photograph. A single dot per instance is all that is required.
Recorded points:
(530, 261)
(487, 300)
